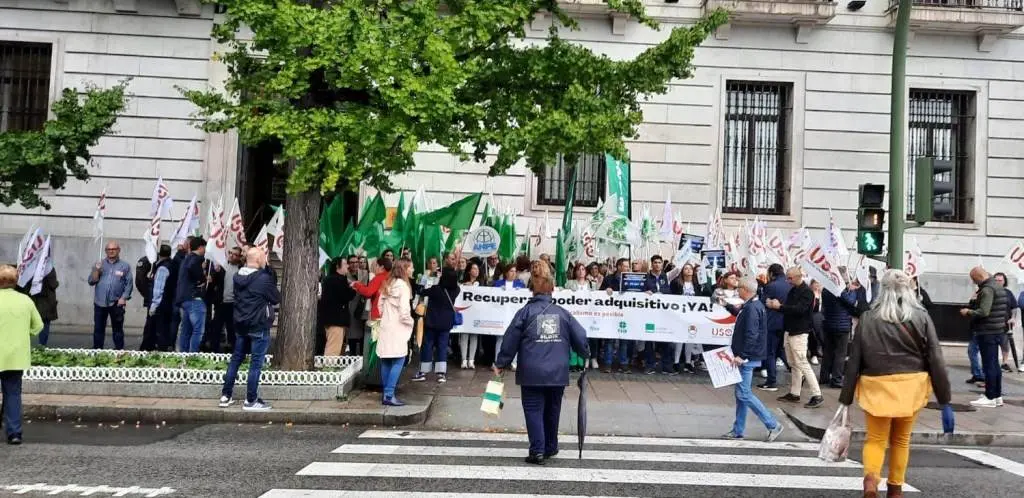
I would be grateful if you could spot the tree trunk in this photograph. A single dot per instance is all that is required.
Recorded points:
(295, 332)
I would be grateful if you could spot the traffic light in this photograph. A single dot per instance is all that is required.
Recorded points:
(932, 197)
(870, 219)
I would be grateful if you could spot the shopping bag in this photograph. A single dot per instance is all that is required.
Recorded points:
(836, 441)
(492, 403)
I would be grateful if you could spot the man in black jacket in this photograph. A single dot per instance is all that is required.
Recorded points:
(989, 314)
(797, 320)
(192, 280)
(256, 295)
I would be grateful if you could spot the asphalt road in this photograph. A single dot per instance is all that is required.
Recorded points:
(275, 461)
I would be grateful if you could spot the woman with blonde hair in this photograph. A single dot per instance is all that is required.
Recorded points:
(19, 320)
(895, 363)
(396, 325)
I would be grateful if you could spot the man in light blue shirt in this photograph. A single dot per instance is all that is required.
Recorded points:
(112, 280)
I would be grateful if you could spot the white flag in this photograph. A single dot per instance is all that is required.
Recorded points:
(1015, 258)
(158, 201)
(217, 235)
(716, 237)
(236, 225)
(101, 212)
(777, 249)
(262, 240)
(324, 258)
(913, 264)
(820, 266)
(43, 268)
(798, 244)
(546, 232)
(667, 231)
(188, 224)
(152, 236)
(30, 258)
(276, 228)
(836, 243)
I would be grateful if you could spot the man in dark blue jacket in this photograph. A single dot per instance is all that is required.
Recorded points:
(192, 279)
(656, 282)
(776, 288)
(256, 295)
(749, 343)
(542, 334)
(839, 313)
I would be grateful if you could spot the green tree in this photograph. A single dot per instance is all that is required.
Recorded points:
(32, 158)
(352, 88)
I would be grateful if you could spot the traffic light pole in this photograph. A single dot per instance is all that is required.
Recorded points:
(897, 124)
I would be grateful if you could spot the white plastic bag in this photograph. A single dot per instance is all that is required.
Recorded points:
(493, 397)
(836, 441)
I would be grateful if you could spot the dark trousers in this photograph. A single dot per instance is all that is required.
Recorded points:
(10, 407)
(774, 343)
(542, 406)
(100, 315)
(220, 322)
(833, 361)
(990, 346)
(175, 322)
(665, 349)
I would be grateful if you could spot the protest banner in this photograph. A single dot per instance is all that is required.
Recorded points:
(723, 372)
(631, 316)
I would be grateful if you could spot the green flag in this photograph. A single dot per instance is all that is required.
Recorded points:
(373, 239)
(374, 213)
(332, 225)
(456, 216)
(507, 248)
(399, 225)
(433, 245)
(560, 261)
(618, 184)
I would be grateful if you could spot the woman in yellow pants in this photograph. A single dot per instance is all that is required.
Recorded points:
(895, 362)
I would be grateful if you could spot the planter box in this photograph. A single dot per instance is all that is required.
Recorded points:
(188, 383)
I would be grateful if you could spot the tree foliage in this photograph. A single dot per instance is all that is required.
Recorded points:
(352, 88)
(29, 159)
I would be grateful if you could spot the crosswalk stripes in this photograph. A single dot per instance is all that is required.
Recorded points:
(610, 462)
(986, 458)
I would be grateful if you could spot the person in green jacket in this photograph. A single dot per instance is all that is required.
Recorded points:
(19, 320)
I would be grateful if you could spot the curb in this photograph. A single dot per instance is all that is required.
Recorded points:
(1008, 440)
(384, 416)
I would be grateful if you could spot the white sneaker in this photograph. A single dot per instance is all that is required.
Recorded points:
(465, 365)
(225, 402)
(256, 406)
(984, 402)
(764, 374)
(593, 363)
(779, 363)
(472, 366)
(814, 360)
(514, 366)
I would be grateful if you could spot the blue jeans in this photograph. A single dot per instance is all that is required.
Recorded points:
(542, 406)
(429, 359)
(745, 399)
(975, 357)
(774, 343)
(193, 320)
(390, 369)
(256, 343)
(44, 335)
(990, 347)
(625, 351)
(10, 388)
(99, 321)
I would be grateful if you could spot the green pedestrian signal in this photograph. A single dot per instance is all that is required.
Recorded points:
(869, 243)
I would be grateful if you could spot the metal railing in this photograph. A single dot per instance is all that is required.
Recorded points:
(1011, 5)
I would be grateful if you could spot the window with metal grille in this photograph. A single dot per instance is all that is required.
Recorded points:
(553, 182)
(941, 125)
(24, 85)
(756, 150)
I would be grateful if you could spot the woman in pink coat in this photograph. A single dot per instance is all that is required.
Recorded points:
(396, 324)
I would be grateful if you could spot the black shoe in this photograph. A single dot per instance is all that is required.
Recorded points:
(1006, 368)
(790, 398)
(551, 455)
(835, 385)
(815, 402)
(974, 380)
(14, 440)
(768, 387)
(535, 459)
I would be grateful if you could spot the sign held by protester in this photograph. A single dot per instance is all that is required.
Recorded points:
(483, 242)
(720, 367)
(630, 316)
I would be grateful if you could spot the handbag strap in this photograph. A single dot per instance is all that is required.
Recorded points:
(918, 342)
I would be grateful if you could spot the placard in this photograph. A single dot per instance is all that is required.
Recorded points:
(696, 242)
(633, 281)
(720, 367)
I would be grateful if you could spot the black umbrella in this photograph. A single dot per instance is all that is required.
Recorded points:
(581, 411)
